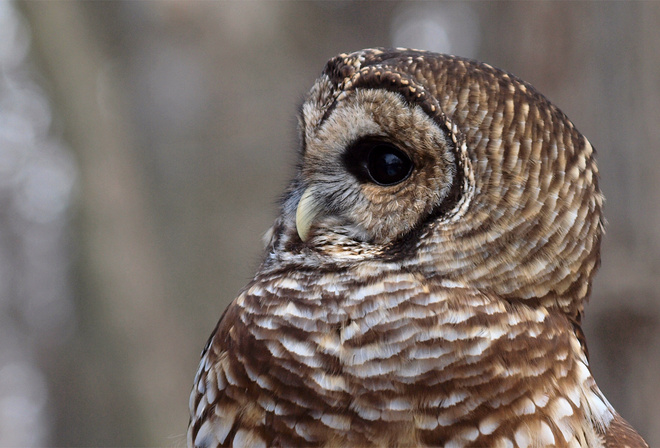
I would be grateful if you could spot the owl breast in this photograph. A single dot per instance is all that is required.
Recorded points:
(393, 359)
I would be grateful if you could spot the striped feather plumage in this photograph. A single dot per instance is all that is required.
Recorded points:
(441, 310)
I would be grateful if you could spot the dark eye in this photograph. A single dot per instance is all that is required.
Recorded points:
(378, 161)
(388, 165)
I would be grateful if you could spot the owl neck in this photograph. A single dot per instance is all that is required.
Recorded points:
(431, 267)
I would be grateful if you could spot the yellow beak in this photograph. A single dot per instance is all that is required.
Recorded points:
(306, 213)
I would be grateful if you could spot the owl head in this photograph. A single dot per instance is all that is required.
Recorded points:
(446, 167)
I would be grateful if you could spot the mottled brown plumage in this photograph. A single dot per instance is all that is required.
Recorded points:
(425, 282)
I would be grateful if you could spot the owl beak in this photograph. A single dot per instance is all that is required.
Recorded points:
(307, 211)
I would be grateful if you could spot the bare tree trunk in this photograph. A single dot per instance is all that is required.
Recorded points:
(117, 399)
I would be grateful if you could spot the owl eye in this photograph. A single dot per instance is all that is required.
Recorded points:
(387, 165)
(379, 162)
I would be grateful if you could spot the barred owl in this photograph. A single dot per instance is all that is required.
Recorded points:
(425, 281)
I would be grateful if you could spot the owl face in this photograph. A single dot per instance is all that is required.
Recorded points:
(449, 168)
(374, 168)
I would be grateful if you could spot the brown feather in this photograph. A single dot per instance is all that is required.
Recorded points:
(621, 435)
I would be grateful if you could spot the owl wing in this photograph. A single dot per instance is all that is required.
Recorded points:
(621, 435)
(219, 397)
(227, 404)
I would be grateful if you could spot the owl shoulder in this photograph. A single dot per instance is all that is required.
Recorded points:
(621, 435)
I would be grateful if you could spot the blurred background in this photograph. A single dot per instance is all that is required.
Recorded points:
(143, 146)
